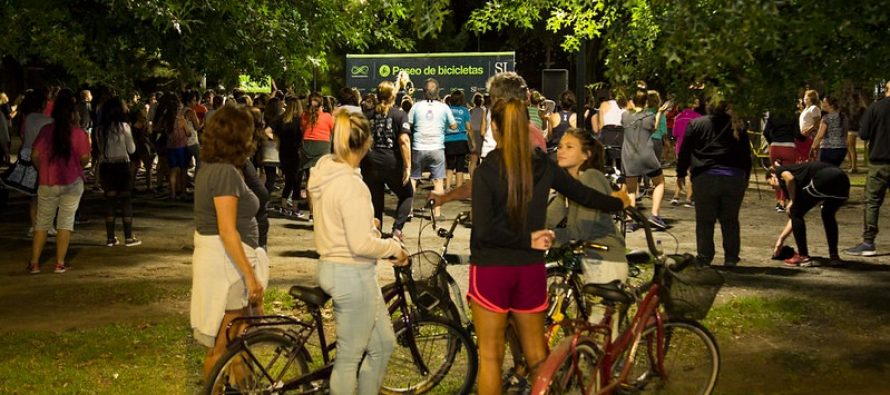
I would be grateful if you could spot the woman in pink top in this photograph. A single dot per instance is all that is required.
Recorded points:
(680, 122)
(60, 152)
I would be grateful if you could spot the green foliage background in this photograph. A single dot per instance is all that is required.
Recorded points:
(758, 53)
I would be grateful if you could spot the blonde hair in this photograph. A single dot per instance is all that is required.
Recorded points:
(386, 97)
(352, 132)
(813, 96)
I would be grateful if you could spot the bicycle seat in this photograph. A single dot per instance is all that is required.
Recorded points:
(312, 296)
(610, 291)
(637, 257)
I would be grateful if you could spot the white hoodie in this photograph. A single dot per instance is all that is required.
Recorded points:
(344, 216)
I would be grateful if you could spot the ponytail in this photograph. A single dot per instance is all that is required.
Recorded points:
(511, 118)
(351, 134)
(315, 104)
(386, 97)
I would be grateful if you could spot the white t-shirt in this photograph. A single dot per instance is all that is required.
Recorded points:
(809, 117)
(33, 123)
(488, 142)
(613, 116)
(430, 119)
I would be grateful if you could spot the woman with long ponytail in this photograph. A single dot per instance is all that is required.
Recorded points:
(349, 244)
(388, 164)
(317, 126)
(507, 273)
(59, 152)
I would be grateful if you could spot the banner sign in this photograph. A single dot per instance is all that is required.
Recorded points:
(467, 71)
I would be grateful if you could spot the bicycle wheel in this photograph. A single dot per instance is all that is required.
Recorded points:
(570, 371)
(259, 363)
(569, 305)
(447, 352)
(691, 360)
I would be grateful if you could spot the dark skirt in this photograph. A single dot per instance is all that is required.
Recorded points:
(115, 177)
(311, 151)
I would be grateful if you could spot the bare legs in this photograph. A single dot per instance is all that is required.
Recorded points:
(657, 193)
(63, 239)
(490, 329)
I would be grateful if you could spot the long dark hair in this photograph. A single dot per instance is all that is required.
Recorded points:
(114, 111)
(165, 115)
(589, 145)
(511, 118)
(315, 103)
(64, 117)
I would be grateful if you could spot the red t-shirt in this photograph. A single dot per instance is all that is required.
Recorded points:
(57, 171)
(200, 111)
(322, 129)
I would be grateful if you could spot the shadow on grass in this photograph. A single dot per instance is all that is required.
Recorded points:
(304, 226)
(866, 293)
(311, 254)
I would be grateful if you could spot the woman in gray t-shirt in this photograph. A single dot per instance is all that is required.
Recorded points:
(830, 144)
(225, 211)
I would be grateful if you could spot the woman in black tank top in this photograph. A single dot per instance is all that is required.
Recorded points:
(562, 120)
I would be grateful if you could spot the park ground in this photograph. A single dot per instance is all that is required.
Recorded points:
(118, 323)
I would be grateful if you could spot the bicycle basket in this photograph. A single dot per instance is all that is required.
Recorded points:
(430, 281)
(426, 265)
(690, 292)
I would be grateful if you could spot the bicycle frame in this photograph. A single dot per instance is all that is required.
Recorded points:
(300, 332)
(628, 341)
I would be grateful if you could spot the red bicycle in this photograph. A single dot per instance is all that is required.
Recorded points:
(663, 349)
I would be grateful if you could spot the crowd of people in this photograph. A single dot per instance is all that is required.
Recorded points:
(227, 152)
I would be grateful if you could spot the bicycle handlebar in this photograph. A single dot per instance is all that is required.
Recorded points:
(638, 217)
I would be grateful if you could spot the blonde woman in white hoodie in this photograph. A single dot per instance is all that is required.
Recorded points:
(349, 244)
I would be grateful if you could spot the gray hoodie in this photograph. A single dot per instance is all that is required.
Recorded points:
(344, 217)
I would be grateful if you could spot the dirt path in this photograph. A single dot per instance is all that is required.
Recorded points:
(781, 330)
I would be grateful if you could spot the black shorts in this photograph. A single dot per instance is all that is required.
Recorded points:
(456, 156)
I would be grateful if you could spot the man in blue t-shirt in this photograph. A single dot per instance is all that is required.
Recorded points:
(429, 119)
(457, 144)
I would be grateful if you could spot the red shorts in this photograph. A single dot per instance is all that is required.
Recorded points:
(502, 289)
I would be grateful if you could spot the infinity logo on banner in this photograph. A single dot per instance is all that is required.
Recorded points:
(360, 71)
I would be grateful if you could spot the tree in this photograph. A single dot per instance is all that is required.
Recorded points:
(116, 42)
(757, 53)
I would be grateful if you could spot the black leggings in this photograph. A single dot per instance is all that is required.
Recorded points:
(375, 178)
(119, 200)
(292, 177)
(271, 173)
(804, 203)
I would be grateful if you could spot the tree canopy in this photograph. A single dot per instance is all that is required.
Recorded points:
(116, 42)
(757, 53)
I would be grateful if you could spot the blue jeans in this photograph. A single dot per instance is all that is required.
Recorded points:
(363, 324)
(432, 160)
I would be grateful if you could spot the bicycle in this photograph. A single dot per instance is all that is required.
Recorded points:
(653, 346)
(271, 355)
(440, 295)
